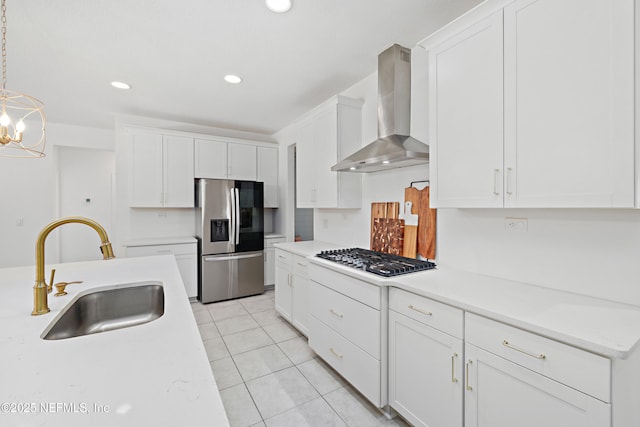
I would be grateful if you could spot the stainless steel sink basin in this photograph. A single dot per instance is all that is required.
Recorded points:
(106, 309)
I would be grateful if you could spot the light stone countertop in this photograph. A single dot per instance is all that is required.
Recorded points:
(151, 241)
(155, 374)
(600, 326)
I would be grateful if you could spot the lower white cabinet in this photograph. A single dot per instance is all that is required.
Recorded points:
(425, 365)
(270, 259)
(186, 255)
(348, 330)
(516, 378)
(292, 289)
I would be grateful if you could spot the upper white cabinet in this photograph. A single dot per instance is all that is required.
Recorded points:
(534, 106)
(218, 159)
(268, 174)
(325, 136)
(466, 117)
(161, 170)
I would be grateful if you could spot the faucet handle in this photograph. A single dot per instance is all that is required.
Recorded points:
(50, 285)
(61, 286)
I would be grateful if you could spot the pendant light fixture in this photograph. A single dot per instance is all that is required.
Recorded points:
(17, 108)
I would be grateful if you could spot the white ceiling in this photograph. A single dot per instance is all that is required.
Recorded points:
(175, 54)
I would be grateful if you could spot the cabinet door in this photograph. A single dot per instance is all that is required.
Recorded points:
(268, 173)
(305, 166)
(466, 117)
(211, 159)
(284, 291)
(242, 161)
(325, 131)
(425, 373)
(500, 393)
(178, 172)
(146, 170)
(300, 306)
(569, 103)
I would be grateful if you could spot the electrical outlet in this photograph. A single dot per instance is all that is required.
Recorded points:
(87, 201)
(19, 222)
(516, 224)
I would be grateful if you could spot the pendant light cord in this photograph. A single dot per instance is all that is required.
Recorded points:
(4, 45)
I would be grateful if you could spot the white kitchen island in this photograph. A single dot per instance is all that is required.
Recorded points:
(154, 374)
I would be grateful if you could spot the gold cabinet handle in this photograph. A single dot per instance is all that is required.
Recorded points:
(335, 313)
(509, 170)
(453, 368)
(540, 356)
(414, 308)
(339, 356)
(468, 386)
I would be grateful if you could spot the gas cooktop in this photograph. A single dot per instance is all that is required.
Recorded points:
(379, 263)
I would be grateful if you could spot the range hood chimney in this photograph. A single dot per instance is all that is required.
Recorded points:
(394, 148)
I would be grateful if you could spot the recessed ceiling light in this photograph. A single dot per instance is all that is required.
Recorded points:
(120, 85)
(230, 78)
(385, 162)
(278, 6)
(352, 168)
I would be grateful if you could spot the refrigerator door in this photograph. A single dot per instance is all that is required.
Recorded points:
(249, 200)
(217, 228)
(229, 276)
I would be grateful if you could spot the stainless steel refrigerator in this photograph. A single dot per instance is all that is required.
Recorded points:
(230, 235)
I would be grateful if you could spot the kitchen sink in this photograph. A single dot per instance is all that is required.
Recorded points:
(107, 309)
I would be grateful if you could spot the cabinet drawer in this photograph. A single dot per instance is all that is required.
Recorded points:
(440, 316)
(579, 369)
(300, 265)
(359, 290)
(187, 248)
(358, 367)
(283, 257)
(269, 243)
(355, 321)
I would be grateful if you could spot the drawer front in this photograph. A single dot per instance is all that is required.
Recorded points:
(579, 369)
(187, 248)
(269, 243)
(435, 314)
(300, 265)
(358, 367)
(355, 321)
(283, 257)
(364, 292)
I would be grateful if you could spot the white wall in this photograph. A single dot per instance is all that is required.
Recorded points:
(29, 191)
(587, 251)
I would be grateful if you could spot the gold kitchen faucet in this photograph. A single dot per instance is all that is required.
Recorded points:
(41, 289)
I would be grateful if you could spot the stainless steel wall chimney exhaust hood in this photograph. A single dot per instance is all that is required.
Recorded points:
(394, 148)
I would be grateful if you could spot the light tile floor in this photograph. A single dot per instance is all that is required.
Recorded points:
(267, 374)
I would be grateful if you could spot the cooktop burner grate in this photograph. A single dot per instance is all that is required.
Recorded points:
(379, 263)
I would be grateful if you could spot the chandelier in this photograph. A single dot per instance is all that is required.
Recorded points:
(17, 108)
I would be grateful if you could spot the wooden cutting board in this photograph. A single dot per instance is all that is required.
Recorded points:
(388, 235)
(382, 210)
(426, 241)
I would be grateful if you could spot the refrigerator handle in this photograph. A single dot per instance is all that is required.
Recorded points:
(237, 216)
(232, 227)
(231, 257)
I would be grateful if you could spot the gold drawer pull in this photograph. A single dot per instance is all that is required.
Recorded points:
(469, 388)
(414, 308)
(453, 367)
(339, 356)
(332, 311)
(540, 356)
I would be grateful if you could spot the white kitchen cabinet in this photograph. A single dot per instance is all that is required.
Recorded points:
(268, 174)
(219, 159)
(270, 259)
(425, 364)
(325, 136)
(161, 170)
(466, 117)
(186, 256)
(292, 289)
(567, 113)
(348, 329)
(513, 377)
